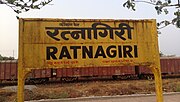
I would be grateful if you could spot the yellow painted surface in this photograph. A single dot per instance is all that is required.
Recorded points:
(109, 43)
(62, 43)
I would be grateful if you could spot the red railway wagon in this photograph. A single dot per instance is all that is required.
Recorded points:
(170, 66)
(8, 70)
(95, 72)
(39, 75)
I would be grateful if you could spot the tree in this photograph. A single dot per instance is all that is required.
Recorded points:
(6, 58)
(1, 57)
(161, 54)
(20, 6)
(161, 7)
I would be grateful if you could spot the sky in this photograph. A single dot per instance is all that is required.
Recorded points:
(169, 39)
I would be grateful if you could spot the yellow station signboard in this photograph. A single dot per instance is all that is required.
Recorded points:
(62, 43)
(80, 43)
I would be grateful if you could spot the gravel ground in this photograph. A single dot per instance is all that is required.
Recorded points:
(87, 89)
(14, 88)
(168, 97)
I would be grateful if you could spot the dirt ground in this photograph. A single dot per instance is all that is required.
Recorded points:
(90, 88)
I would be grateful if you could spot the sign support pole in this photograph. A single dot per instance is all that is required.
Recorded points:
(21, 81)
(155, 67)
(158, 83)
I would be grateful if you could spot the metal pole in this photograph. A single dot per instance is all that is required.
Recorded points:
(13, 53)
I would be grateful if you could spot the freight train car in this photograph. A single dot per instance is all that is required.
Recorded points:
(39, 76)
(70, 74)
(170, 67)
(9, 72)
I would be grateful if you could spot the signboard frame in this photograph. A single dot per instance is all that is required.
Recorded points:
(147, 54)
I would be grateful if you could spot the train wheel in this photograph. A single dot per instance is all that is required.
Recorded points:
(43, 81)
(115, 77)
(149, 77)
(69, 79)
